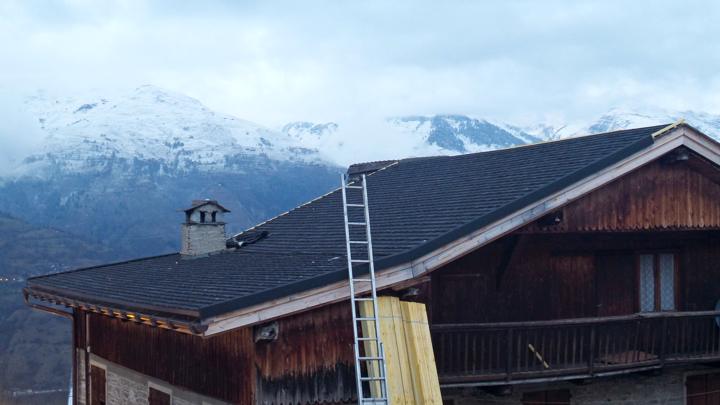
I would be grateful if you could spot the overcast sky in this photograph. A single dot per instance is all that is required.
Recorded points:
(273, 62)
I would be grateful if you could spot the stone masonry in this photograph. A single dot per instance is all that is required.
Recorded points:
(667, 388)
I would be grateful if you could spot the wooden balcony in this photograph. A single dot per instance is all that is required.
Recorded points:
(502, 353)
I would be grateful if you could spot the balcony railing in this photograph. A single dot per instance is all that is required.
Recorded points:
(499, 353)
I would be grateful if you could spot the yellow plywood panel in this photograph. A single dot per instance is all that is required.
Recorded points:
(410, 362)
(420, 351)
(392, 335)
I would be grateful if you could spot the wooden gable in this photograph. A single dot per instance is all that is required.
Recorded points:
(659, 196)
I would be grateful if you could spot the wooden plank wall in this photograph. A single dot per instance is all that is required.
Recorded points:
(311, 361)
(220, 367)
(560, 276)
(534, 284)
(657, 196)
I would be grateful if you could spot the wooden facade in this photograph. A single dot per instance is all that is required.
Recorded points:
(563, 276)
(659, 196)
(624, 277)
(311, 358)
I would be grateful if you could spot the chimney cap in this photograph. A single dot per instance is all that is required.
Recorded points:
(199, 203)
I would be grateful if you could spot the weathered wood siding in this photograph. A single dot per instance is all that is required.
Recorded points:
(502, 282)
(310, 361)
(657, 196)
(557, 276)
(221, 367)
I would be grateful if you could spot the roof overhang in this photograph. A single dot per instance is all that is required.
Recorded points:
(52, 301)
(663, 141)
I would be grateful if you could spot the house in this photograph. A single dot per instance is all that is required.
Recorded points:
(577, 271)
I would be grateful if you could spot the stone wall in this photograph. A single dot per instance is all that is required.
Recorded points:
(202, 239)
(127, 387)
(666, 388)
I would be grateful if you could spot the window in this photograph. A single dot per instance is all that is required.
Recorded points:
(156, 396)
(657, 280)
(97, 385)
(214, 216)
(202, 216)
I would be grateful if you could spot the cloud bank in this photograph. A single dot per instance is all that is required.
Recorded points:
(275, 62)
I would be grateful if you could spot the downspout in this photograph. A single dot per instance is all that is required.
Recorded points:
(74, 384)
(87, 358)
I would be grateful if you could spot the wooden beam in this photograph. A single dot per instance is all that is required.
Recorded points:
(507, 258)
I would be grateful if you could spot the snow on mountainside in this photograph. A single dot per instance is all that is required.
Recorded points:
(149, 124)
(409, 136)
(459, 133)
(619, 119)
(453, 134)
(115, 170)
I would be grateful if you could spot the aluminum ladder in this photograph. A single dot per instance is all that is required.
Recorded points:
(370, 371)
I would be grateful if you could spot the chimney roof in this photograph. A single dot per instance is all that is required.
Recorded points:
(200, 203)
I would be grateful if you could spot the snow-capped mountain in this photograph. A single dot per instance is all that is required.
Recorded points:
(407, 136)
(453, 134)
(459, 133)
(149, 124)
(621, 119)
(117, 169)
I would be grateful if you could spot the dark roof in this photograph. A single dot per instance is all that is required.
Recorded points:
(416, 205)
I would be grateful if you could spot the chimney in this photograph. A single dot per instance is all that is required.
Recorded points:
(203, 231)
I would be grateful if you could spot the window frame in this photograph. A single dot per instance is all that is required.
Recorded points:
(657, 299)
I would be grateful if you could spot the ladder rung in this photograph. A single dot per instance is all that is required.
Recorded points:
(366, 319)
(365, 280)
(357, 187)
(372, 378)
(375, 401)
(357, 223)
(359, 261)
(363, 299)
(364, 339)
(356, 205)
(370, 358)
(363, 242)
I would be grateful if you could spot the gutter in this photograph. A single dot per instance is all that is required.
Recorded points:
(184, 326)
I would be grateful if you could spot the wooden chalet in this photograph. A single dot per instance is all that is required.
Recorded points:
(585, 270)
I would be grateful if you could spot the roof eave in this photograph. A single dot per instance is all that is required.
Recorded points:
(183, 320)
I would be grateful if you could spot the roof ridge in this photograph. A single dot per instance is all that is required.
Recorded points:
(546, 142)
